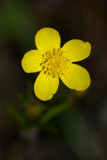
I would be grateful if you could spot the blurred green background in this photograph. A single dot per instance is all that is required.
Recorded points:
(73, 125)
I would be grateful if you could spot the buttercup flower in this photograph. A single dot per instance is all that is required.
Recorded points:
(55, 62)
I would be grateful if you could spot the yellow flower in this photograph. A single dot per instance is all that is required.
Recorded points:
(55, 62)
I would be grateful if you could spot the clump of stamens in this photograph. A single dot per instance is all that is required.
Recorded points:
(54, 63)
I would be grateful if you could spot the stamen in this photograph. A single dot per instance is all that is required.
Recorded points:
(54, 51)
(43, 67)
(49, 73)
(53, 76)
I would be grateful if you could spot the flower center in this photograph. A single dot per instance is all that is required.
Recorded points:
(54, 62)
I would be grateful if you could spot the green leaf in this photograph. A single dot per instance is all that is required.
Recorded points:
(53, 112)
(78, 134)
(18, 116)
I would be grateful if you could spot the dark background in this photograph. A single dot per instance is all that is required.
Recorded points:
(80, 132)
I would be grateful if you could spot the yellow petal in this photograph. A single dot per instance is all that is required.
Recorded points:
(47, 39)
(76, 50)
(45, 86)
(76, 77)
(31, 61)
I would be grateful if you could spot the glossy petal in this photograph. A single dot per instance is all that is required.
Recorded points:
(47, 39)
(76, 77)
(45, 86)
(31, 61)
(76, 50)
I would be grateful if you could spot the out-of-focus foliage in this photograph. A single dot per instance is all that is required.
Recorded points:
(79, 136)
(16, 22)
